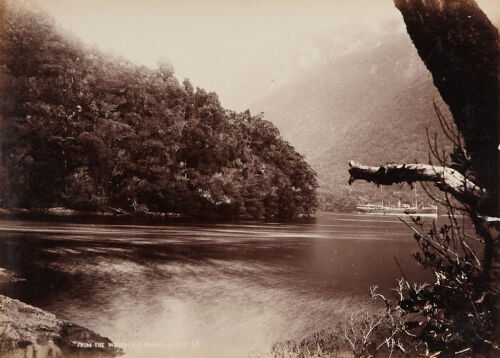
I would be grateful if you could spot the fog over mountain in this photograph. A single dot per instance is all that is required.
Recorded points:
(372, 104)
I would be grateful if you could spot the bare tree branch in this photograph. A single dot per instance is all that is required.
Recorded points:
(446, 179)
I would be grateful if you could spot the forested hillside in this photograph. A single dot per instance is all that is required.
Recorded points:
(372, 105)
(88, 131)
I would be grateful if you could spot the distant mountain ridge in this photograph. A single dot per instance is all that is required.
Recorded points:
(372, 105)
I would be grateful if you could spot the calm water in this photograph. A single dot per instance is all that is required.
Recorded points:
(205, 290)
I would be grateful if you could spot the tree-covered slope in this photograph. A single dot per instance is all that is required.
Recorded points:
(372, 105)
(87, 131)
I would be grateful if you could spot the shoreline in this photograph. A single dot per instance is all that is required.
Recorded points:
(62, 212)
(30, 332)
(120, 215)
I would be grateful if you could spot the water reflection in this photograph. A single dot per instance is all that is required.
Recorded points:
(205, 289)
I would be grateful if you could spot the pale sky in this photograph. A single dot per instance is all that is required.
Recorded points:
(240, 49)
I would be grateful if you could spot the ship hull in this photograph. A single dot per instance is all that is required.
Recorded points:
(398, 211)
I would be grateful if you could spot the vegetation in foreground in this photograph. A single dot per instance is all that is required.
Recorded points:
(90, 132)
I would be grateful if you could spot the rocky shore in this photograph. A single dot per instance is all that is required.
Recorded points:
(29, 332)
(61, 213)
(70, 213)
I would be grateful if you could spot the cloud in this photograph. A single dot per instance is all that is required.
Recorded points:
(236, 48)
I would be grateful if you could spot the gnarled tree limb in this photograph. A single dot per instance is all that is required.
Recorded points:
(446, 179)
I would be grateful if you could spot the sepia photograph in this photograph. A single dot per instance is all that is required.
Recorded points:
(249, 178)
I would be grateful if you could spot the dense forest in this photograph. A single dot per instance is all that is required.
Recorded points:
(87, 131)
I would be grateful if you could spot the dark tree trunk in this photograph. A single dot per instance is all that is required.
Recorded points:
(461, 48)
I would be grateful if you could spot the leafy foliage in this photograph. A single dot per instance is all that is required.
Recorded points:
(87, 131)
(453, 315)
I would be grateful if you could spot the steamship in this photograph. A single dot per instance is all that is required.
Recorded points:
(400, 209)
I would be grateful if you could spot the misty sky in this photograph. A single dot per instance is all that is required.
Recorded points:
(240, 49)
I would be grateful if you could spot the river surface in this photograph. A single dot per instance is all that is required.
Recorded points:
(206, 290)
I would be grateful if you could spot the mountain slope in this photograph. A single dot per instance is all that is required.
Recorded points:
(372, 105)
